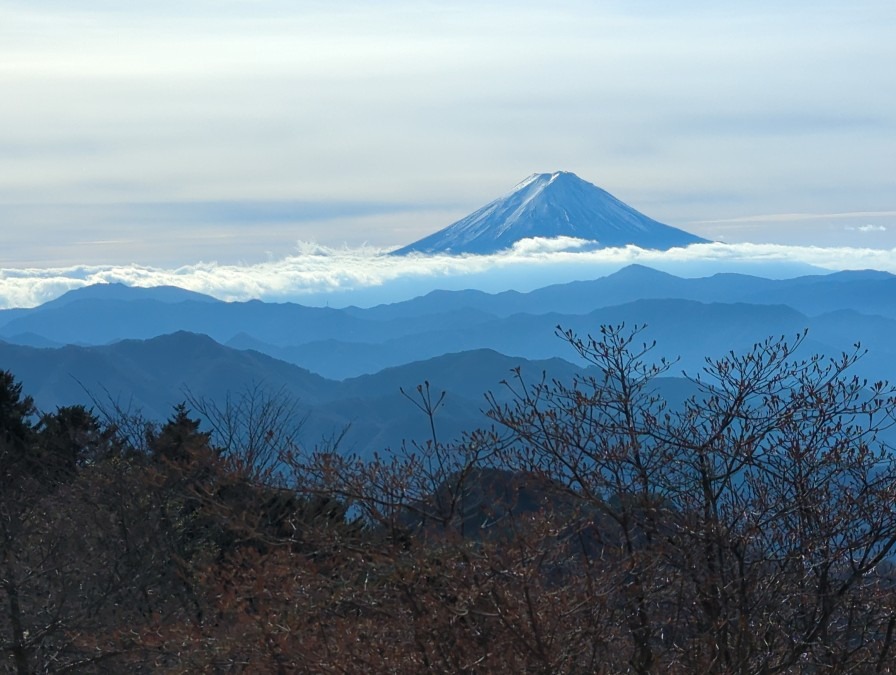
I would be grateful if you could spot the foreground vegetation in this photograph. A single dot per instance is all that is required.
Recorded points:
(591, 530)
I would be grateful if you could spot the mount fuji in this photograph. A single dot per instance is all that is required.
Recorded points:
(552, 205)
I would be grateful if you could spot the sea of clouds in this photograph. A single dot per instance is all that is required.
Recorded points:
(318, 275)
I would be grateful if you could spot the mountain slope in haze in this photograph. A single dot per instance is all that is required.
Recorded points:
(151, 376)
(682, 328)
(552, 205)
(100, 321)
(103, 320)
(153, 373)
(345, 342)
(687, 329)
(119, 291)
(866, 291)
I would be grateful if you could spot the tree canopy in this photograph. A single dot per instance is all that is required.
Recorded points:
(594, 527)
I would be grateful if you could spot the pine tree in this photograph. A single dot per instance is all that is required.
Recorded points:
(16, 432)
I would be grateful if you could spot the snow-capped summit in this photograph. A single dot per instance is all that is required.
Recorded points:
(558, 204)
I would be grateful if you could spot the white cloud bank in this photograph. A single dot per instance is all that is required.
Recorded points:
(318, 275)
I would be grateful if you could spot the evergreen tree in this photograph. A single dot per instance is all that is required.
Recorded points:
(68, 438)
(180, 439)
(16, 431)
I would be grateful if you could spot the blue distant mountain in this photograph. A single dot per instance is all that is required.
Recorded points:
(119, 291)
(689, 317)
(464, 341)
(369, 413)
(551, 205)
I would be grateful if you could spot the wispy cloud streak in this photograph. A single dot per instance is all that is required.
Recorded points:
(798, 217)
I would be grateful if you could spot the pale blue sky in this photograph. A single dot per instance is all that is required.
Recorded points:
(173, 132)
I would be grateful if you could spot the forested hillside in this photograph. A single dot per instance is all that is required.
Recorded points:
(595, 529)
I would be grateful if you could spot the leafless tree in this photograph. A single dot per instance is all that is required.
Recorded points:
(749, 526)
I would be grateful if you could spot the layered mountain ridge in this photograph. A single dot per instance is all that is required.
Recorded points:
(145, 348)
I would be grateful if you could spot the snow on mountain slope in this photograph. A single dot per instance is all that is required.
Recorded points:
(552, 205)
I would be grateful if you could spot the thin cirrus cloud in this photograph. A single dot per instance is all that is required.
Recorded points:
(319, 275)
(794, 217)
(868, 228)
